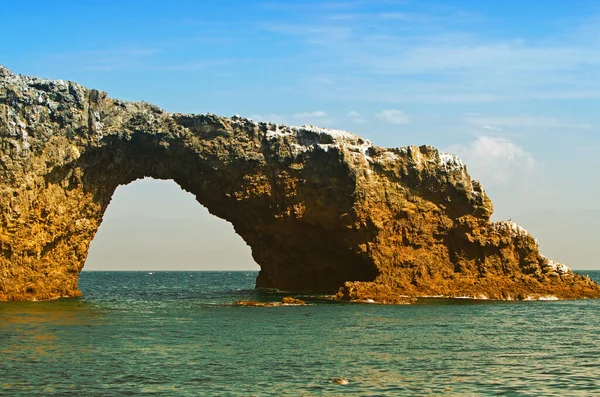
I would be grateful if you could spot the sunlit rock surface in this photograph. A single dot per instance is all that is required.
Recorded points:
(322, 210)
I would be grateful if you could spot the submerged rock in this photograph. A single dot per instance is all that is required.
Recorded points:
(253, 303)
(340, 381)
(286, 301)
(323, 210)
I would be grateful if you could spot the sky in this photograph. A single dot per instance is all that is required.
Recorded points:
(512, 87)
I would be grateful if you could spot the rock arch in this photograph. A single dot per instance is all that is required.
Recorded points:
(320, 209)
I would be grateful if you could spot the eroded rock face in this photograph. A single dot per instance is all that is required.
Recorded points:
(321, 209)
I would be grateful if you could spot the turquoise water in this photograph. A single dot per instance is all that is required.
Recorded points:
(178, 334)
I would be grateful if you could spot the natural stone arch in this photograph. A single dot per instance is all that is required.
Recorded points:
(256, 197)
(318, 208)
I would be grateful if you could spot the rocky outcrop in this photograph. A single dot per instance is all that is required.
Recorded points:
(322, 210)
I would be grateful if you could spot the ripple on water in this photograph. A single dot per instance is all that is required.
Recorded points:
(178, 334)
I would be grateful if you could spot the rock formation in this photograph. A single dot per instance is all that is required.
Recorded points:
(322, 210)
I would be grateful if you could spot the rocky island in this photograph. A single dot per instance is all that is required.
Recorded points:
(322, 210)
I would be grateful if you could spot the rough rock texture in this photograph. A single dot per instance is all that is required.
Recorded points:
(321, 209)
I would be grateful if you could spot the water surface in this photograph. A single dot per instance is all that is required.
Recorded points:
(178, 333)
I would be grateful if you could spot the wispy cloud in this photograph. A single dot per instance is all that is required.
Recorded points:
(105, 60)
(490, 127)
(444, 62)
(158, 57)
(523, 121)
(316, 117)
(394, 116)
(316, 113)
(198, 65)
(355, 117)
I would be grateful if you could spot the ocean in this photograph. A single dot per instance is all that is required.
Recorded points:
(180, 334)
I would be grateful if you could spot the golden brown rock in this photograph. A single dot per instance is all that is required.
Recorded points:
(288, 300)
(321, 209)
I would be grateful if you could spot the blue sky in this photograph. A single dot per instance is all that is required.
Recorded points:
(513, 87)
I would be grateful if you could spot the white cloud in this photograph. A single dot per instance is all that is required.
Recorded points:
(317, 117)
(490, 127)
(494, 123)
(394, 116)
(316, 113)
(355, 117)
(495, 161)
(270, 118)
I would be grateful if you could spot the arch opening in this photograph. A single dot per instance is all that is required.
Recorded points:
(152, 224)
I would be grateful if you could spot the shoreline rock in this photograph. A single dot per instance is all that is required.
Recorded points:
(322, 210)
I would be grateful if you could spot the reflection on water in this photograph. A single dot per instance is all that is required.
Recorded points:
(60, 312)
(29, 331)
(179, 334)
